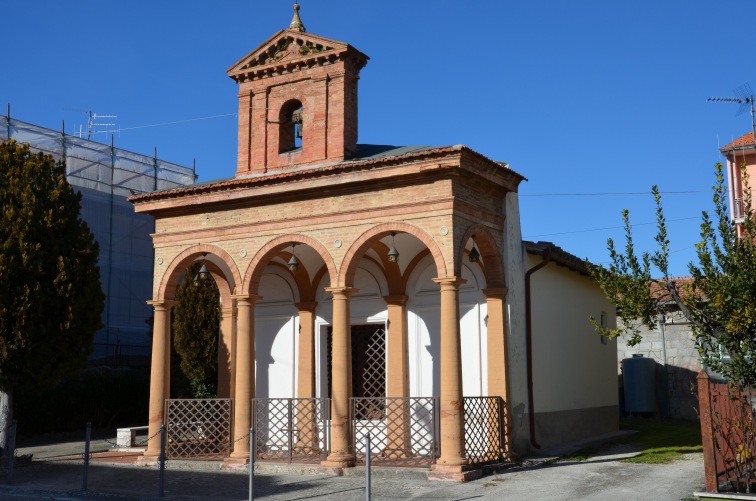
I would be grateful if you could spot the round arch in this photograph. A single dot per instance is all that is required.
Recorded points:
(489, 250)
(362, 244)
(170, 280)
(254, 271)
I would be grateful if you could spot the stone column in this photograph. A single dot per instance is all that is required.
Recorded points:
(306, 407)
(397, 379)
(452, 438)
(160, 366)
(226, 376)
(341, 380)
(498, 364)
(306, 354)
(245, 374)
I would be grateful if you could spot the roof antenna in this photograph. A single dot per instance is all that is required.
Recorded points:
(745, 98)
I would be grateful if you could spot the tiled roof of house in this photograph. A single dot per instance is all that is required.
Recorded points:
(558, 255)
(662, 294)
(743, 141)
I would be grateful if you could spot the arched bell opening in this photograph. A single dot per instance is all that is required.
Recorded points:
(290, 126)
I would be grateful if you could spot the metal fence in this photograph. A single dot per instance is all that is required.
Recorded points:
(292, 430)
(403, 430)
(728, 432)
(485, 422)
(120, 355)
(198, 428)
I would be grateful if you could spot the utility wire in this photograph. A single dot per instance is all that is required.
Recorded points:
(606, 228)
(612, 193)
(163, 124)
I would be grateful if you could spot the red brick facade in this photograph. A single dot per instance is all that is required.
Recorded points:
(295, 70)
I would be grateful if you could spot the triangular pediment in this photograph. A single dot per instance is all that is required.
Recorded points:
(285, 47)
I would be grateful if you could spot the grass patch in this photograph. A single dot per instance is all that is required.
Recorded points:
(583, 454)
(662, 440)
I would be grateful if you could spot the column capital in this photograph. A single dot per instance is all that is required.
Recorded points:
(343, 292)
(446, 282)
(497, 293)
(246, 298)
(162, 303)
(398, 300)
(307, 306)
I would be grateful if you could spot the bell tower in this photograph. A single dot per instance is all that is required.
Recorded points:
(297, 101)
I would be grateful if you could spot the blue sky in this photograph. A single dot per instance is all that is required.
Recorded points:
(593, 101)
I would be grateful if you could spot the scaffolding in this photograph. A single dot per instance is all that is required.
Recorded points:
(106, 176)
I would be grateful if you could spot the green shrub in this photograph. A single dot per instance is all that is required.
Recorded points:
(107, 398)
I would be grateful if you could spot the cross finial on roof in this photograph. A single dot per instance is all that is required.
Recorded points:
(296, 22)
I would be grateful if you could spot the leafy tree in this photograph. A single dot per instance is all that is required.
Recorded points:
(50, 296)
(721, 300)
(196, 324)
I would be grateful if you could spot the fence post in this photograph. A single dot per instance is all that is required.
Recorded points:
(11, 449)
(367, 467)
(161, 483)
(85, 474)
(707, 435)
(251, 463)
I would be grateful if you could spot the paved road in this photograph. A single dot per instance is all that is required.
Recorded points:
(602, 478)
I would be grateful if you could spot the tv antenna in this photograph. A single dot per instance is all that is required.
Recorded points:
(745, 99)
(94, 124)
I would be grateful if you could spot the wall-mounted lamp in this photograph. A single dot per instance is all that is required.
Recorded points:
(293, 264)
(474, 254)
(393, 254)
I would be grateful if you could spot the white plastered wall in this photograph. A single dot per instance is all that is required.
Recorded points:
(573, 367)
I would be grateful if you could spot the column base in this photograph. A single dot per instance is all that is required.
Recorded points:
(232, 463)
(148, 459)
(397, 453)
(338, 461)
(454, 473)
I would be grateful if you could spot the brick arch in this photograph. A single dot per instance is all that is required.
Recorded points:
(255, 271)
(493, 268)
(169, 282)
(363, 242)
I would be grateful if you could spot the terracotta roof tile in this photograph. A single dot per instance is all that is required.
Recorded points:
(747, 140)
(680, 282)
(376, 158)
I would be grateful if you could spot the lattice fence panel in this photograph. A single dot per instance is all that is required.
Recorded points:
(484, 429)
(291, 429)
(369, 367)
(198, 427)
(402, 430)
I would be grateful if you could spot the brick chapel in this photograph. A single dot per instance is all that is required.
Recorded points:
(363, 287)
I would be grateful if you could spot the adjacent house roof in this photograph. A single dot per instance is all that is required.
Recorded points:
(558, 255)
(747, 141)
(661, 293)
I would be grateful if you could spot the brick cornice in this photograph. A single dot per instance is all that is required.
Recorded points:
(314, 222)
(263, 63)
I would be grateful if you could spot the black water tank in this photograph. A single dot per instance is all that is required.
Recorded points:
(639, 379)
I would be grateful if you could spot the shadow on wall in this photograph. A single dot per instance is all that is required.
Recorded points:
(647, 389)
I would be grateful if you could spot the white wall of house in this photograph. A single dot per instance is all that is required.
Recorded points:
(574, 368)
